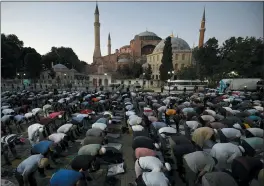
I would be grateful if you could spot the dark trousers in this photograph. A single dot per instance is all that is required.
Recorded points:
(140, 181)
(240, 173)
(31, 179)
(248, 134)
(5, 150)
(248, 149)
(187, 131)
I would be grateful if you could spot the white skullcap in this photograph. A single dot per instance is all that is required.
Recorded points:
(156, 145)
(110, 121)
(168, 166)
(241, 148)
(237, 126)
(60, 116)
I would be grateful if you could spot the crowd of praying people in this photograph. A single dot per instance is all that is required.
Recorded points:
(208, 139)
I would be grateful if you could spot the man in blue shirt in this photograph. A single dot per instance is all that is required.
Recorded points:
(66, 177)
(46, 148)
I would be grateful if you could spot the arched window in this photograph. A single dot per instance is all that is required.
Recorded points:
(182, 66)
(176, 56)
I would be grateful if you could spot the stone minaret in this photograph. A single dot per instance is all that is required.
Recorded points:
(202, 31)
(97, 49)
(109, 44)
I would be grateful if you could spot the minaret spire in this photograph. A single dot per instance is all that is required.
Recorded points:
(109, 44)
(97, 49)
(202, 31)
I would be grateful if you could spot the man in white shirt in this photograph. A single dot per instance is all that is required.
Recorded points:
(229, 134)
(150, 163)
(208, 118)
(254, 132)
(189, 127)
(197, 163)
(34, 132)
(225, 153)
(59, 139)
(68, 129)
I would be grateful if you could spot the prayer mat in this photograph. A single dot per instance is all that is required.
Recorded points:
(113, 135)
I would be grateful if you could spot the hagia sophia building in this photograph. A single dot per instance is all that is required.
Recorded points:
(146, 48)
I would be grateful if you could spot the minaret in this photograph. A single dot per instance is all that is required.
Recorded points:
(109, 44)
(202, 31)
(97, 49)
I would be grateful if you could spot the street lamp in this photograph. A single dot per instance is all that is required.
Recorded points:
(105, 74)
(143, 79)
(24, 74)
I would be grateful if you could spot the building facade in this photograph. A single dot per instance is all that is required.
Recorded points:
(181, 56)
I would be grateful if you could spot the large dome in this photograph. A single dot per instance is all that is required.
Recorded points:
(147, 33)
(151, 36)
(176, 44)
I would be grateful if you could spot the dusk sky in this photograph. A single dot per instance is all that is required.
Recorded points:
(42, 25)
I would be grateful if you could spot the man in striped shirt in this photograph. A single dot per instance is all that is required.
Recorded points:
(9, 142)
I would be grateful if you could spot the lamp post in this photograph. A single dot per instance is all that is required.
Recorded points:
(233, 75)
(105, 74)
(170, 73)
(143, 80)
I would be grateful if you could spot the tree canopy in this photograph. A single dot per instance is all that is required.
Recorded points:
(244, 56)
(17, 59)
(148, 72)
(166, 61)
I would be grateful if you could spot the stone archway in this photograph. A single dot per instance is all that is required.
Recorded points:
(105, 82)
(100, 82)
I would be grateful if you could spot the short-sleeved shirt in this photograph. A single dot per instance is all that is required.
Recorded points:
(199, 160)
(65, 177)
(29, 165)
(91, 149)
(42, 147)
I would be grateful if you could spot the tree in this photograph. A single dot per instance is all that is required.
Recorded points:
(148, 72)
(166, 61)
(188, 72)
(33, 65)
(11, 48)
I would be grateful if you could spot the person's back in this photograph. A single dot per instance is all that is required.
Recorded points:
(142, 141)
(65, 177)
(91, 149)
(199, 160)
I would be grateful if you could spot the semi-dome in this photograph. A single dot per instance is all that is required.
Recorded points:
(176, 44)
(60, 66)
(73, 70)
